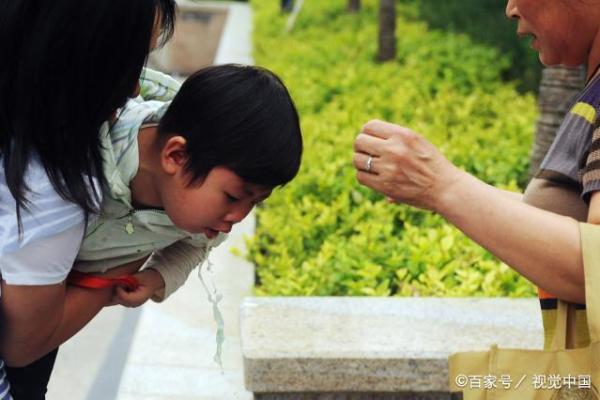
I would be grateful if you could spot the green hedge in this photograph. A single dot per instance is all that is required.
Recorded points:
(323, 234)
(485, 22)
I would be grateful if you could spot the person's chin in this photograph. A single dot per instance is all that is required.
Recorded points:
(548, 60)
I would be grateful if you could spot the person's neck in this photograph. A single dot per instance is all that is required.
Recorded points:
(144, 184)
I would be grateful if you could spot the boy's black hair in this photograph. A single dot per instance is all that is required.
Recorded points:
(66, 66)
(239, 117)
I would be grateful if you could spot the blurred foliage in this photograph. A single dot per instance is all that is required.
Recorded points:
(485, 22)
(324, 234)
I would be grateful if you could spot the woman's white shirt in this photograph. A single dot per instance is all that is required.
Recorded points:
(52, 231)
(45, 261)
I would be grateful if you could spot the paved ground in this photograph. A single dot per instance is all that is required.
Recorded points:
(165, 351)
(171, 355)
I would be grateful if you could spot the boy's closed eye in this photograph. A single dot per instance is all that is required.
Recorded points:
(231, 197)
(234, 199)
(260, 200)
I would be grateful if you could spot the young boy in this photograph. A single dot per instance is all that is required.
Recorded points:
(179, 175)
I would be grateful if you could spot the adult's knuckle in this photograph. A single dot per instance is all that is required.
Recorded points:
(389, 171)
(358, 141)
(397, 153)
(356, 160)
(371, 125)
(359, 177)
(410, 137)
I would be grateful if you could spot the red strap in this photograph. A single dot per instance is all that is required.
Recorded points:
(80, 279)
(542, 294)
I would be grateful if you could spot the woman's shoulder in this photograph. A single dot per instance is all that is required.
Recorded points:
(587, 103)
(45, 212)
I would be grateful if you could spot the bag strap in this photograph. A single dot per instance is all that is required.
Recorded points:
(76, 278)
(590, 247)
(559, 342)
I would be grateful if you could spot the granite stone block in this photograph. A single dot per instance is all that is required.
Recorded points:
(336, 345)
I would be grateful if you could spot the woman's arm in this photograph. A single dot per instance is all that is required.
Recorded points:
(509, 195)
(542, 246)
(37, 319)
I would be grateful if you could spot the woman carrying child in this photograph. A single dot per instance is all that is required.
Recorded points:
(67, 66)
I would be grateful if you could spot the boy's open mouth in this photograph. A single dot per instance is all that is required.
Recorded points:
(211, 233)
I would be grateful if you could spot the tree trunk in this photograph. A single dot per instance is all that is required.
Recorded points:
(287, 6)
(557, 90)
(353, 6)
(387, 30)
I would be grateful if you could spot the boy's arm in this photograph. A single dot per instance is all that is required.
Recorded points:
(175, 262)
(83, 304)
(155, 85)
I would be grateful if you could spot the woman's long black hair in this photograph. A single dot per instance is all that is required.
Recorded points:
(65, 67)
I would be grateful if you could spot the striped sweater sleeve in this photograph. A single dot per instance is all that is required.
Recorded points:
(591, 170)
(4, 385)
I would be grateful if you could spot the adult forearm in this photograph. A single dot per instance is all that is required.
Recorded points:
(542, 246)
(510, 195)
(81, 306)
(404, 166)
(20, 348)
(37, 319)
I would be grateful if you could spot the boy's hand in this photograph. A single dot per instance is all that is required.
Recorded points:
(150, 282)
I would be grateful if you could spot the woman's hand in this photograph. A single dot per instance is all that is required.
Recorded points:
(405, 167)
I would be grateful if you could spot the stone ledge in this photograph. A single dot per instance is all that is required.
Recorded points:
(353, 396)
(373, 345)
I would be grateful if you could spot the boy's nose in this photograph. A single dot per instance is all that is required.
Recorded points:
(512, 11)
(237, 215)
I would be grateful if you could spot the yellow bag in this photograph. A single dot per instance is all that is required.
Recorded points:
(559, 373)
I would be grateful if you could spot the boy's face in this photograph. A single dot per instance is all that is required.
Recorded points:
(211, 205)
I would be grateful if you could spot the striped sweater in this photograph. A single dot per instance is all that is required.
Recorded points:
(568, 176)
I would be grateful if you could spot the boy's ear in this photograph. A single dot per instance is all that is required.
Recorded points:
(173, 155)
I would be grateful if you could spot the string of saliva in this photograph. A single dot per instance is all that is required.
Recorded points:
(214, 297)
